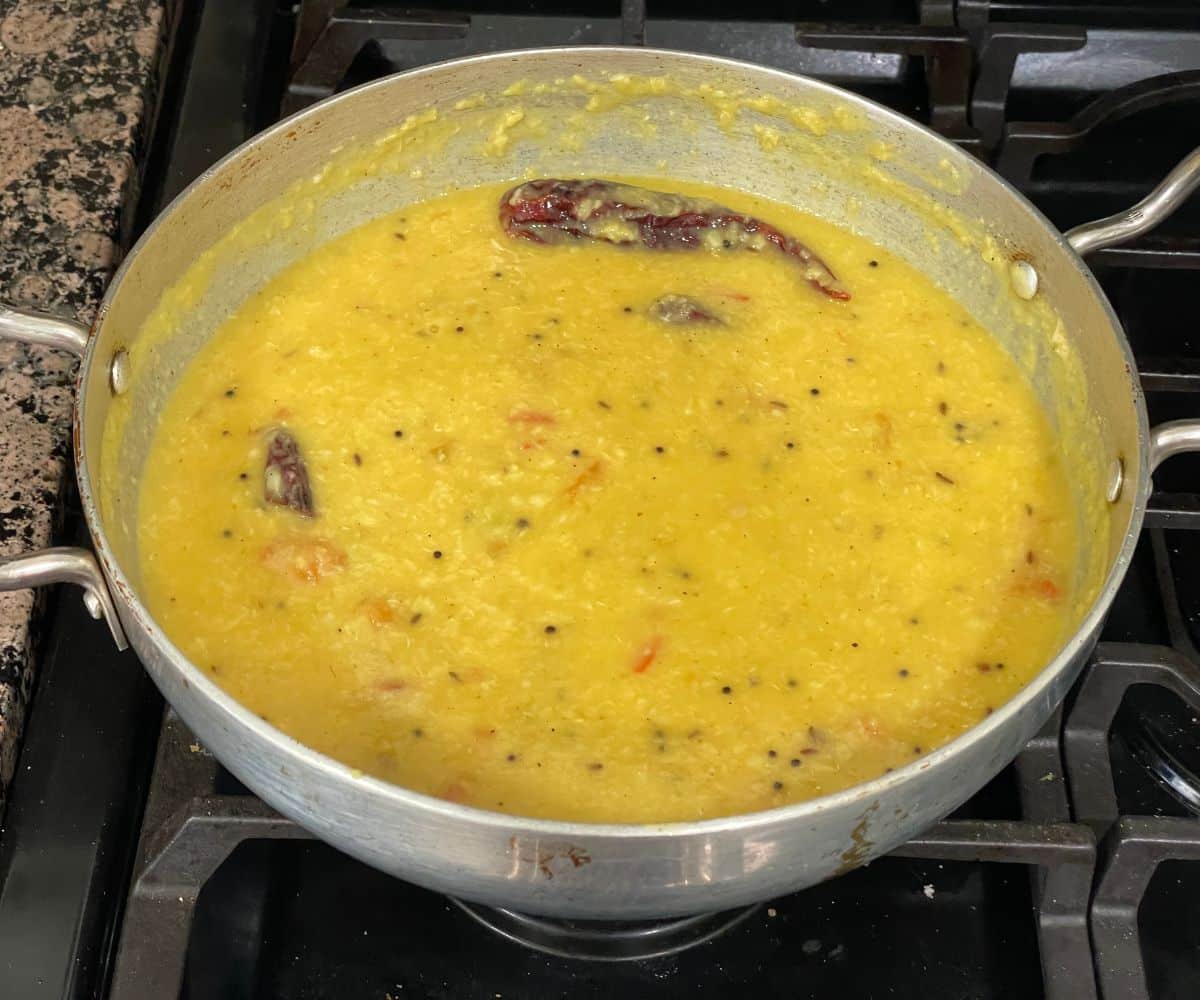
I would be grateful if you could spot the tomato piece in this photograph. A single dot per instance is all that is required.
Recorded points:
(647, 654)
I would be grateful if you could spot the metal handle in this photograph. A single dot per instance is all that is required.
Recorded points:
(1176, 436)
(1145, 215)
(57, 565)
(66, 565)
(43, 329)
(1173, 438)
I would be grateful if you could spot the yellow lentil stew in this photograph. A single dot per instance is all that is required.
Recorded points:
(533, 513)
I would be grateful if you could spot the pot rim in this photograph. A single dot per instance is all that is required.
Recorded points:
(399, 797)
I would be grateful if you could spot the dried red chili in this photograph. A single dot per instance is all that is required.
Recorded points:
(554, 211)
(285, 476)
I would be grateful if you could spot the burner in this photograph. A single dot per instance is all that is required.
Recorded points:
(1154, 753)
(606, 940)
(1160, 724)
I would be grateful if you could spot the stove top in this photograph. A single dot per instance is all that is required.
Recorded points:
(132, 866)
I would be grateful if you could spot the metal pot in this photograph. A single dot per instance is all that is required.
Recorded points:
(841, 157)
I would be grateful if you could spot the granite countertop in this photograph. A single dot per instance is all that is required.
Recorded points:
(78, 87)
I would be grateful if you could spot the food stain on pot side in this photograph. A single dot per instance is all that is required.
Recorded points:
(861, 848)
(613, 569)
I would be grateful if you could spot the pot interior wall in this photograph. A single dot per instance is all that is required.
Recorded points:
(404, 139)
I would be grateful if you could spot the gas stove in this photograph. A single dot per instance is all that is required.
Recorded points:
(132, 866)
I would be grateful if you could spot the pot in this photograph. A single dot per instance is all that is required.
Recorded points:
(596, 111)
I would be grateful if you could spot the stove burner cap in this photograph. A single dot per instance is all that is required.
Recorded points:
(605, 940)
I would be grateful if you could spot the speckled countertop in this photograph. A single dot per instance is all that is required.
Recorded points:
(78, 81)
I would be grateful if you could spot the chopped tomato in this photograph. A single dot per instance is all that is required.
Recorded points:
(304, 559)
(381, 611)
(591, 474)
(454, 792)
(1041, 586)
(647, 653)
(531, 417)
(1046, 588)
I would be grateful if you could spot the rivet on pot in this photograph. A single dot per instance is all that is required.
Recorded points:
(1024, 278)
(1116, 479)
(118, 372)
(93, 605)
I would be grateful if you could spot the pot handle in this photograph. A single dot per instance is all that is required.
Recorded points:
(1176, 436)
(43, 330)
(1171, 192)
(1173, 438)
(63, 564)
(60, 564)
